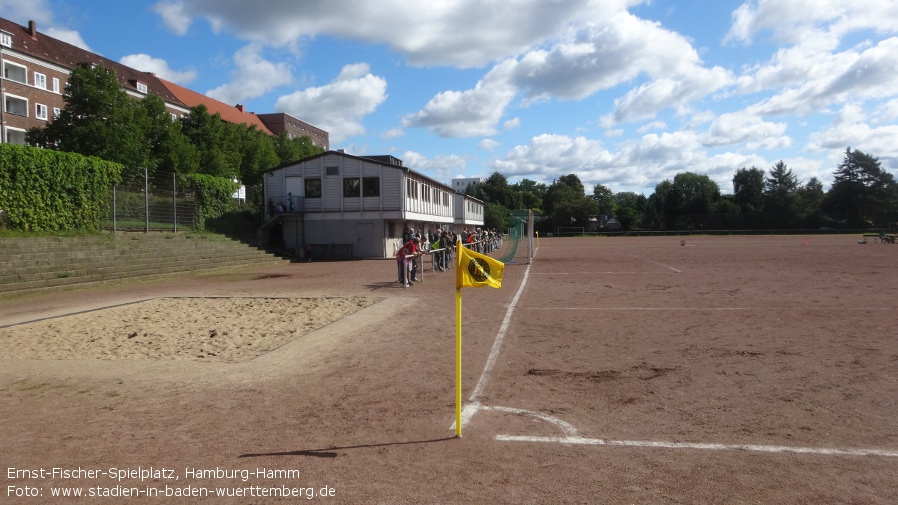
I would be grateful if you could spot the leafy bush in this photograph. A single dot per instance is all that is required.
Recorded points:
(43, 190)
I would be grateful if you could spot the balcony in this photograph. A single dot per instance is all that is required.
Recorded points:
(283, 204)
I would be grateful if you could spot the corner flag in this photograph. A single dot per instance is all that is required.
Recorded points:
(475, 270)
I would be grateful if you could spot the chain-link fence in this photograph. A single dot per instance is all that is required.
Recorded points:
(151, 202)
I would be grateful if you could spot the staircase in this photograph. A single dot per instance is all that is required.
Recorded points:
(36, 264)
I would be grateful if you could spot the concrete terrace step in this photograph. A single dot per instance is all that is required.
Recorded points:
(50, 263)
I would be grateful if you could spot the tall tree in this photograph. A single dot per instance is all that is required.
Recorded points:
(780, 197)
(532, 194)
(99, 119)
(686, 202)
(630, 209)
(605, 202)
(748, 189)
(217, 142)
(862, 191)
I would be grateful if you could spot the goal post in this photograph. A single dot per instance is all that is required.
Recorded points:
(521, 228)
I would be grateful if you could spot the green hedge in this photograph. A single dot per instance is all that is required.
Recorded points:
(213, 196)
(44, 190)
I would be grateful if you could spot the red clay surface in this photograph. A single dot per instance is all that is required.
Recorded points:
(616, 351)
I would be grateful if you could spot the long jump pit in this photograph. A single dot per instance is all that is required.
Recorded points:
(210, 329)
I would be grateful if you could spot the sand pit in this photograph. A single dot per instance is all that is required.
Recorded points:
(194, 328)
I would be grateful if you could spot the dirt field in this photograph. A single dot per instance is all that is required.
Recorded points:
(626, 370)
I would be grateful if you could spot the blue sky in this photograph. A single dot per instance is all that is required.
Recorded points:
(623, 93)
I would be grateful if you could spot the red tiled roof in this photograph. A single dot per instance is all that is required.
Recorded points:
(46, 48)
(227, 112)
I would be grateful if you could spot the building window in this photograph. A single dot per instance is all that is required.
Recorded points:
(40, 81)
(40, 111)
(15, 72)
(15, 136)
(351, 187)
(15, 105)
(5, 39)
(56, 85)
(56, 112)
(371, 186)
(313, 188)
(331, 170)
(141, 87)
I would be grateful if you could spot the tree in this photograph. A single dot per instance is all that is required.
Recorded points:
(862, 191)
(218, 143)
(605, 202)
(292, 149)
(532, 194)
(686, 202)
(780, 197)
(258, 152)
(630, 209)
(567, 205)
(748, 189)
(810, 203)
(99, 119)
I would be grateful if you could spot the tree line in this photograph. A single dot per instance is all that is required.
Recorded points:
(862, 195)
(100, 119)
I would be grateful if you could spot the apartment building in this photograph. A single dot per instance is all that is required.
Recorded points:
(34, 68)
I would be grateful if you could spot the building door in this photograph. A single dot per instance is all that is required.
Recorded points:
(294, 188)
(365, 245)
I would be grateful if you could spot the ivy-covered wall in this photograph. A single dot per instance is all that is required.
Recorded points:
(44, 190)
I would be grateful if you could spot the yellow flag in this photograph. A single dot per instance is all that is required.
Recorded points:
(475, 270)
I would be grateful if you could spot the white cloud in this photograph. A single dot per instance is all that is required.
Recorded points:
(462, 33)
(254, 76)
(393, 133)
(442, 165)
(744, 128)
(838, 78)
(548, 157)
(511, 124)
(173, 15)
(158, 66)
(73, 37)
(791, 21)
(488, 145)
(340, 106)
(654, 125)
(878, 142)
(461, 114)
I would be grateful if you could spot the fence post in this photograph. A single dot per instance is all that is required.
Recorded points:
(174, 199)
(114, 210)
(146, 201)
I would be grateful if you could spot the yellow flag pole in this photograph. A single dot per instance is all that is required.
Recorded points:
(458, 362)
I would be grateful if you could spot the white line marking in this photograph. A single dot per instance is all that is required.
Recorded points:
(655, 262)
(576, 440)
(827, 309)
(565, 426)
(473, 405)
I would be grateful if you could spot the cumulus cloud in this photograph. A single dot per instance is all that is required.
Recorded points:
(461, 114)
(253, 76)
(488, 145)
(340, 106)
(790, 21)
(744, 128)
(73, 37)
(158, 66)
(461, 33)
(442, 165)
(174, 16)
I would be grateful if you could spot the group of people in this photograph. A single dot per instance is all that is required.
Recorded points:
(441, 244)
(437, 242)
